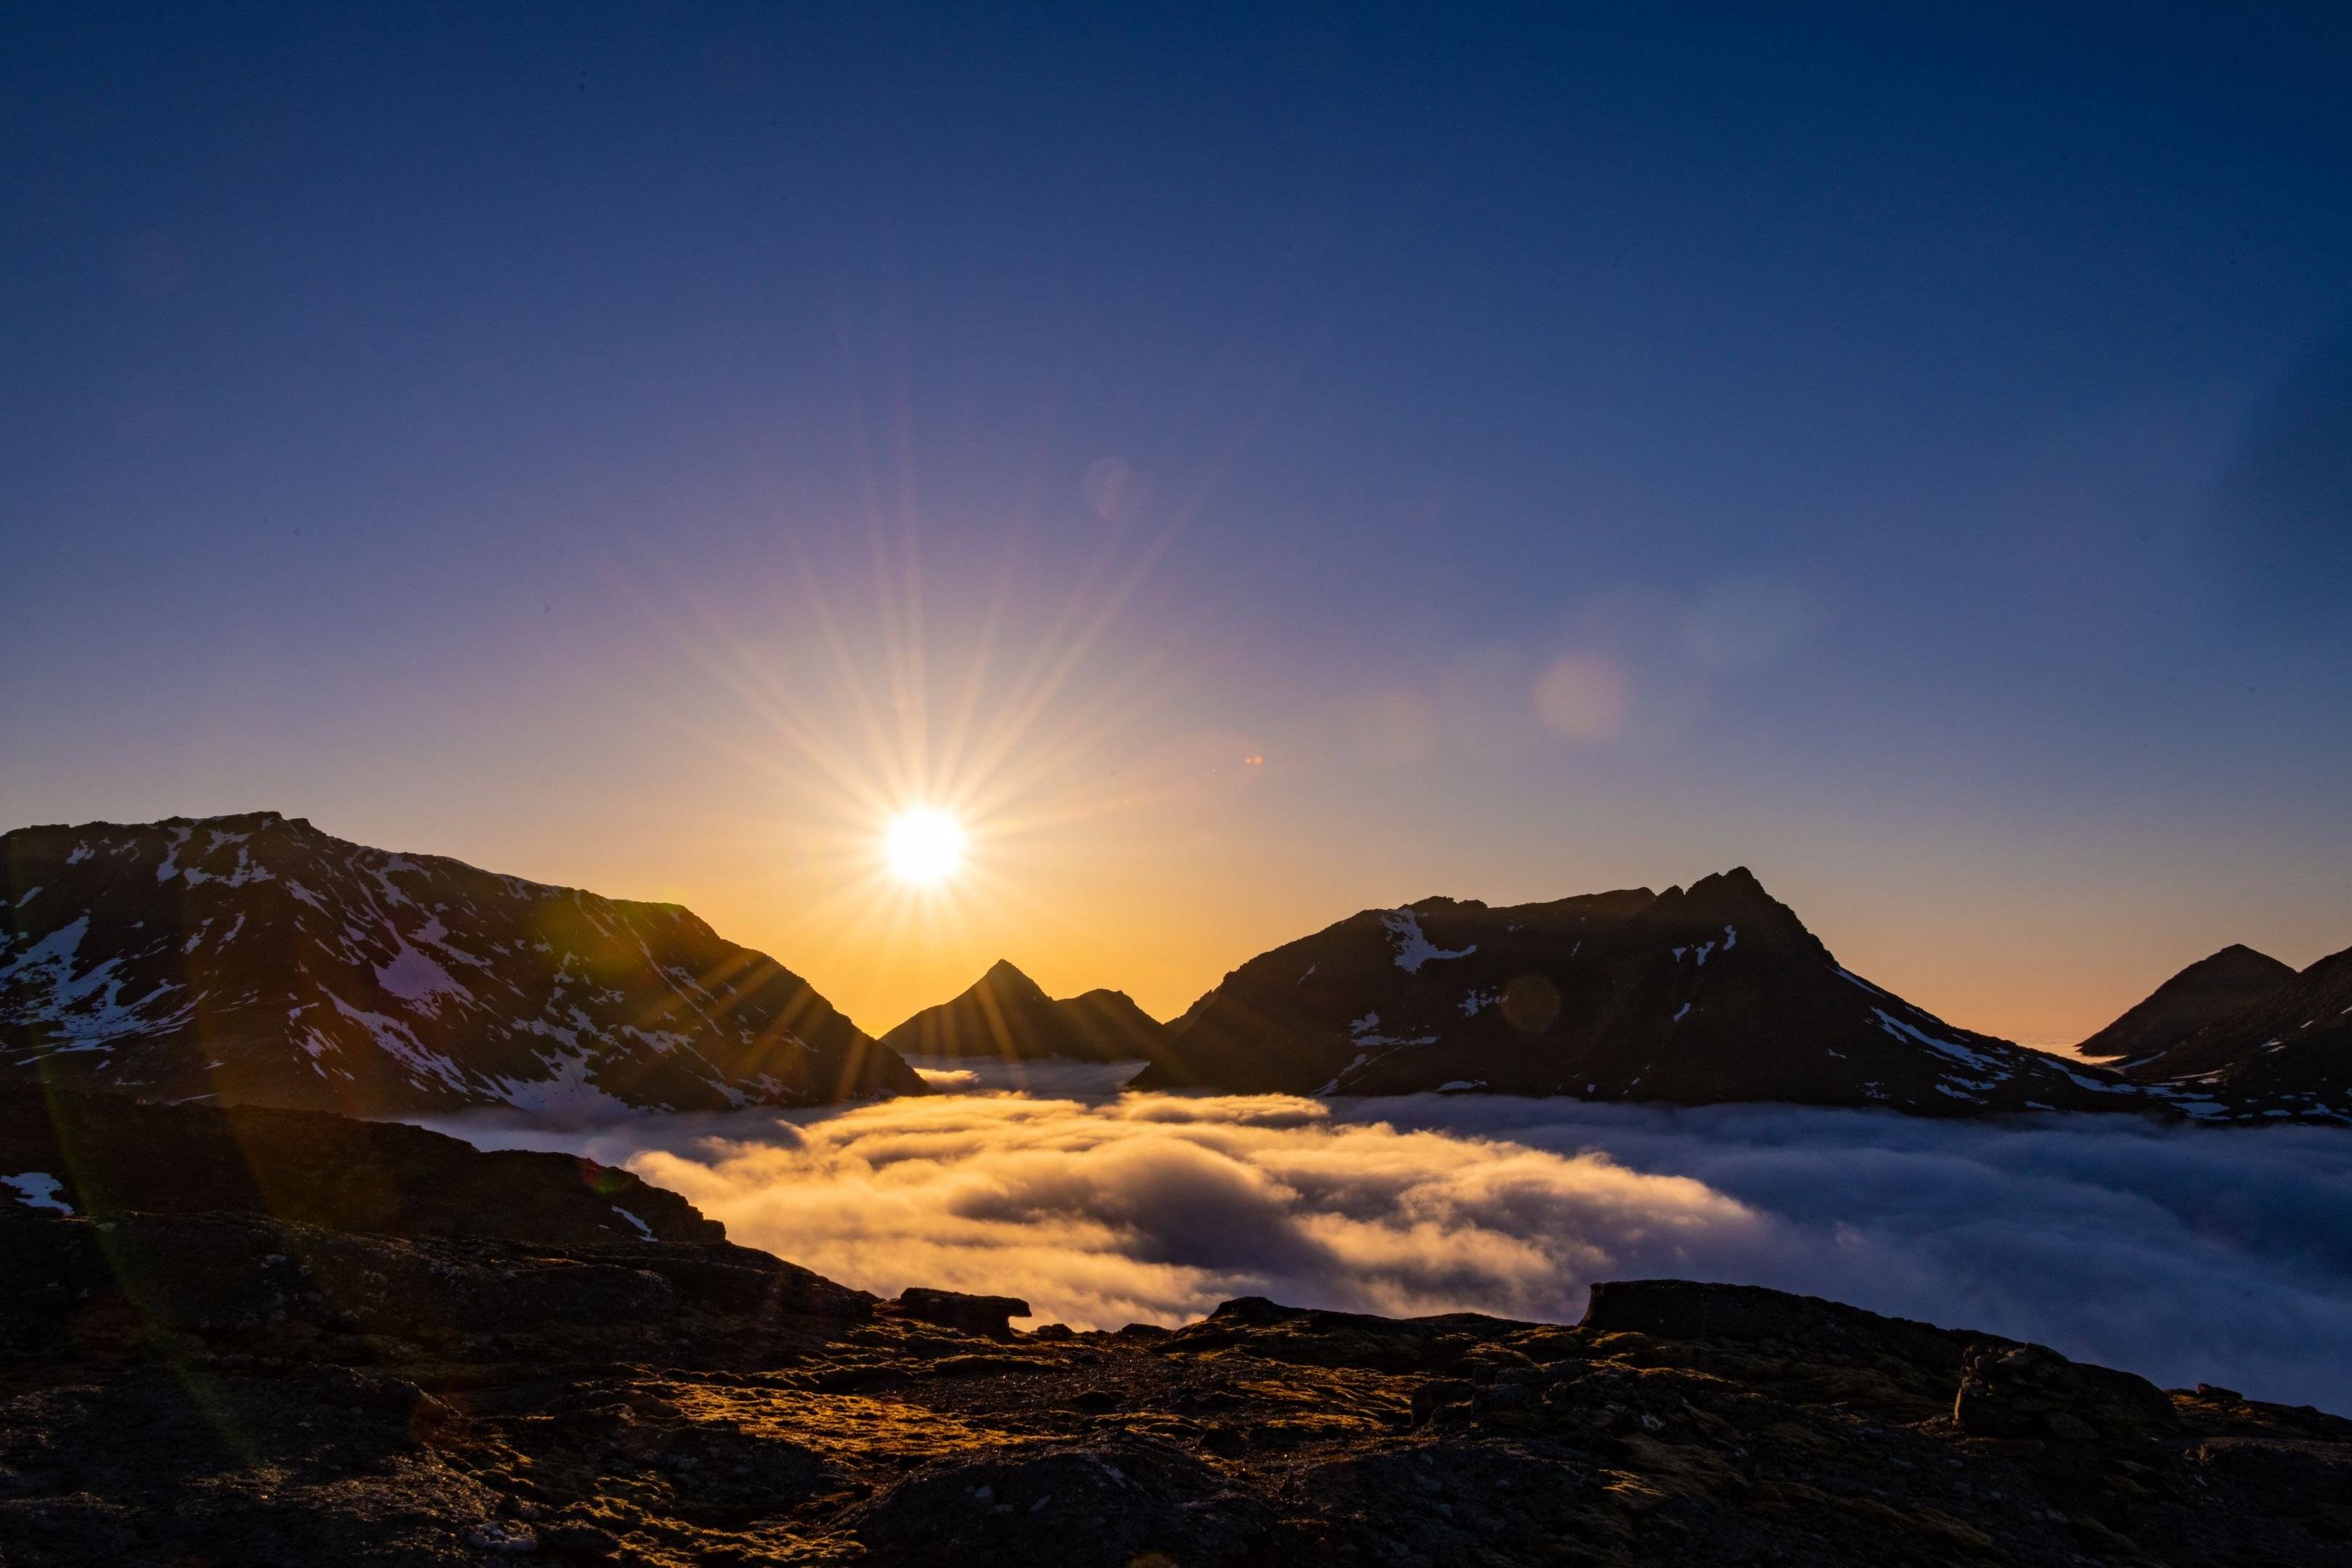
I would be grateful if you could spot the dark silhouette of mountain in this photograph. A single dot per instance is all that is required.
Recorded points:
(2208, 992)
(1007, 1017)
(1716, 993)
(2287, 1056)
(258, 1369)
(255, 960)
(100, 1155)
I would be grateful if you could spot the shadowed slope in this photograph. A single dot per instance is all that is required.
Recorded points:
(2208, 992)
(256, 959)
(2288, 1056)
(1713, 994)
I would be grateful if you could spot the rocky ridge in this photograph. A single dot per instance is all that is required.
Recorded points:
(1712, 994)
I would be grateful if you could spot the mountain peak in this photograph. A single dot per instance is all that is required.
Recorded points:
(2209, 992)
(1007, 1016)
(1737, 886)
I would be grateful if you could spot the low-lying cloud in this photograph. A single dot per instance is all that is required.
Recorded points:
(2187, 1255)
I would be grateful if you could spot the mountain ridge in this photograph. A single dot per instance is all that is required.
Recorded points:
(256, 959)
(2210, 991)
(1702, 995)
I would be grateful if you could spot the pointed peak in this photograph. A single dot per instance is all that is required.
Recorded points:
(2238, 955)
(1002, 975)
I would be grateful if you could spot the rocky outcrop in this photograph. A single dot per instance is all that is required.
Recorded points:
(2032, 1391)
(100, 1155)
(989, 1315)
(255, 960)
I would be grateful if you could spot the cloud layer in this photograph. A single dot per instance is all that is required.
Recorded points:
(2185, 1255)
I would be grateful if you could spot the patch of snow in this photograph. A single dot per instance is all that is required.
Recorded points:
(81, 852)
(1703, 949)
(1302, 979)
(39, 1190)
(644, 1231)
(1460, 1084)
(54, 951)
(1479, 1001)
(1680, 1011)
(1361, 1058)
(417, 980)
(398, 1041)
(1414, 949)
(565, 1096)
(1730, 939)
(1952, 1048)
(169, 867)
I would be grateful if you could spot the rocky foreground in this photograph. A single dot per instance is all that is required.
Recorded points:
(226, 1385)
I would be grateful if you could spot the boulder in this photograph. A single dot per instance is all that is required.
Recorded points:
(988, 1315)
(2032, 1391)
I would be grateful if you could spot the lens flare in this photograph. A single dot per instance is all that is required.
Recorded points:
(923, 847)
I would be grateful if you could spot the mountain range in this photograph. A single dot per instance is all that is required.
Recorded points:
(256, 959)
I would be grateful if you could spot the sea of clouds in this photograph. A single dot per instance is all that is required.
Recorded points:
(2184, 1254)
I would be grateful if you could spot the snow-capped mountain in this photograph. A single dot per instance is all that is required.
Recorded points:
(2208, 992)
(256, 959)
(1007, 1016)
(1713, 994)
(2287, 1056)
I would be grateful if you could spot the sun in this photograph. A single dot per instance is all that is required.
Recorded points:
(923, 847)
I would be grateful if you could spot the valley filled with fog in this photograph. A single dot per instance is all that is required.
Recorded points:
(2187, 1255)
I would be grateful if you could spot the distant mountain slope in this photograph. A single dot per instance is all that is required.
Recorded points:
(1713, 994)
(1008, 1017)
(2208, 992)
(2288, 1056)
(258, 961)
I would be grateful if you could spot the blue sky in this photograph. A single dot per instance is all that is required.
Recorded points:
(1929, 433)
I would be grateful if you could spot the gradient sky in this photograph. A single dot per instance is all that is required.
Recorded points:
(638, 447)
